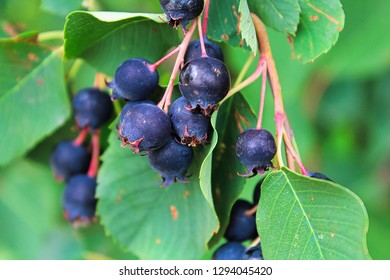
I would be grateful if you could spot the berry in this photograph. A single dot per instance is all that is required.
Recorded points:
(229, 251)
(241, 227)
(92, 108)
(134, 80)
(181, 11)
(194, 50)
(78, 200)
(253, 253)
(130, 105)
(257, 191)
(68, 159)
(204, 82)
(255, 149)
(171, 161)
(190, 126)
(144, 127)
(319, 176)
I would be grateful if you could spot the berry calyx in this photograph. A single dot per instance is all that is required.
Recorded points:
(79, 200)
(92, 108)
(181, 11)
(68, 159)
(172, 161)
(204, 82)
(190, 126)
(241, 227)
(144, 127)
(194, 50)
(255, 148)
(134, 80)
(229, 251)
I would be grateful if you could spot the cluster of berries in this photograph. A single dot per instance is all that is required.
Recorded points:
(168, 138)
(76, 164)
(242, 227)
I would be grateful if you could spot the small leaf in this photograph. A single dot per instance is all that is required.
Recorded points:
(281, 15)
(33, 99)
(152, 222)
(248, 32)
(305, 218)
(318, 30)
(106, 39)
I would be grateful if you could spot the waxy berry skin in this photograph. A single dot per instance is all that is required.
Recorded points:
(241, 227)
(191, 127)
(134, 80)
(194, 50)
(171, 161)
(181, 11)
(92, 108)
(255, 148)
(79, 200)
(229, 251)
(144, 127)
(68, 159)
(204, 82)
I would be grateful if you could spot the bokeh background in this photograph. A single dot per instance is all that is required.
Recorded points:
(338, 107)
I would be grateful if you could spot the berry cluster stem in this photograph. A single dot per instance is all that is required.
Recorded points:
(205, 16)
(166, 99)
(201, 39)
(81, 137)
(94, 165)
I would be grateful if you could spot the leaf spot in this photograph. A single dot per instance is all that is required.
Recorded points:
(158, 241)
(314, 18)
(332, 235)
(174, 212)
(186, 194)
(312, 198)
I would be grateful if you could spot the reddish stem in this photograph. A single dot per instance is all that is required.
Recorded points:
(294, 155)
(262, 95)
(94, 165)
(153, 67)
(166, 99)
(201, 39)
(98, 80)
(205, 17)
(81, 137)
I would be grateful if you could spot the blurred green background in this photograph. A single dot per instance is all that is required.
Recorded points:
(338, 107)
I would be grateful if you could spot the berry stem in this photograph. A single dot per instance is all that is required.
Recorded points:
(262, 96)
(255, 242)
(251, 211)
(81, 137)
(201, 39)
(205, 16)
(153, 67)
(166, 99)
(244, 70)
(99, 81)
(94, 165)
(293, 154)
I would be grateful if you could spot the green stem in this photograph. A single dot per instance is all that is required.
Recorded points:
(50, 35)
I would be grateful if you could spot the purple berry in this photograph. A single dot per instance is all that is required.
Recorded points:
(144, 127)
(255, 149)
(319, 176)
(204, 82)
(191, 127)
(181, 11)
(92, 108)
(229, 251)
(241, 227)
(68, 159)
(172, 161)
(134, 80)
(78, 199)
(130, 105)
(194, 50)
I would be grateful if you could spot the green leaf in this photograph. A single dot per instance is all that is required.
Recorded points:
(305, 218)
(319, 28)
(152, 222)
(106, 39)
(33, 100)
(281, 15)
(230, 23)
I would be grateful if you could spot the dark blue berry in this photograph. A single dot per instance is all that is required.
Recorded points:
(255, 148)
(229, 251)
(79, 200)
(241, 227)
(68, 159)
(181, 11)
(171, 161)
(319, 176)
(257, 191)
(134, 80)
(191, 127)
(130, 105)
(204, 82)
(92, 108)
(194, 50)
(253, 253)
(144, 127)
